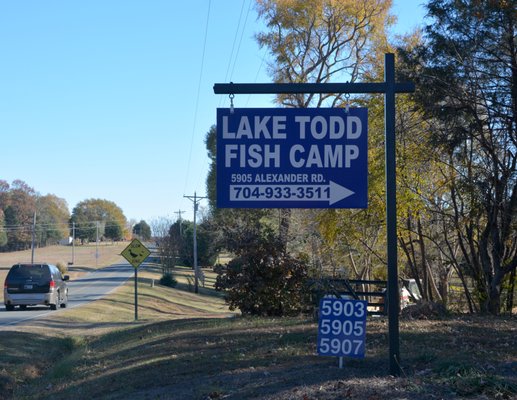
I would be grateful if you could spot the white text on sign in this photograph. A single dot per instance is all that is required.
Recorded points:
(342, 327)
(300, 156)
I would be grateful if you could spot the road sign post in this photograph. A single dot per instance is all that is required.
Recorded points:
(136, 253)
(389, 88)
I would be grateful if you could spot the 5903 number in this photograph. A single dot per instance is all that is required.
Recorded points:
(344, 308)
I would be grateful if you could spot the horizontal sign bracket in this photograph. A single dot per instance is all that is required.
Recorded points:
(292, 88)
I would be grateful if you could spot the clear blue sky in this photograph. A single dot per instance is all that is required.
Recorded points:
(110, 99)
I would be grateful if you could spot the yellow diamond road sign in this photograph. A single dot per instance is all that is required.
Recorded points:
(135, 253)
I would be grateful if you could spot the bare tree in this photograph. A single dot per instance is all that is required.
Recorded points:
(167, 250)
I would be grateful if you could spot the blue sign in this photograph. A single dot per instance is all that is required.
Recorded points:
(342, 327)
(292, 158)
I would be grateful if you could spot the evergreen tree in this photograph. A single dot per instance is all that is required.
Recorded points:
(466, 75)
(143, 230)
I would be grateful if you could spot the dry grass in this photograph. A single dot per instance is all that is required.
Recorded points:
(155, 303)
(266, 358)
(183, 346)
(84, 258)
(65, 336)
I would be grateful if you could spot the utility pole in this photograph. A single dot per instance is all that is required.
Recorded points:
(195, 199)
(33, 244)
(73, 243)
(179, 212)
(96, 243)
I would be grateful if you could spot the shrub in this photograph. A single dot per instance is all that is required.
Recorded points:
(264, 280)
(168, 280)
(62, 268)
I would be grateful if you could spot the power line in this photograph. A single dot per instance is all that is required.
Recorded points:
(233, 48)
(197, 96)
(256, 75)
(223, 99)
(240, 40)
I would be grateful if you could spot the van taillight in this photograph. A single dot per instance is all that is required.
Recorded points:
(5, 284)
(52, 284)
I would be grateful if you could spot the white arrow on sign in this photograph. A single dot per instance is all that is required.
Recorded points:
(332, 193)
(338, 192)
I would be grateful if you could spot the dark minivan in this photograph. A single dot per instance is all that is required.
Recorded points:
(35, 284)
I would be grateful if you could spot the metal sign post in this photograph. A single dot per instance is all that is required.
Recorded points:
(389, 88)
(135, 253)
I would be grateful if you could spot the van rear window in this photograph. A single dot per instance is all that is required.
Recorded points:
(35, 273)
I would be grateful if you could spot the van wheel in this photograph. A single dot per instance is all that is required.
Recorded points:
(65, 301)
(9, 307)
(53, 307)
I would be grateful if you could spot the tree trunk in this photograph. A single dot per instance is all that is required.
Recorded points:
(285, 222)
(425, 271)
(494, 298)
(511, 290)
(411, 256)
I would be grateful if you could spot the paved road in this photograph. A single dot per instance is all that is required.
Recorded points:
(89, 287)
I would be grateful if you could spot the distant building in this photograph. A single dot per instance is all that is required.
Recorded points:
(66, 241)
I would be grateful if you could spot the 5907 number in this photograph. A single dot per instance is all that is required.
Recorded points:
(337, 347)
